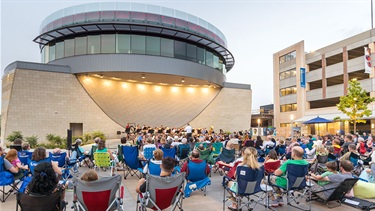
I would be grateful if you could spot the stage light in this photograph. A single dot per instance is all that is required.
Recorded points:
(143, 76)
(182, 80)
(124, 85)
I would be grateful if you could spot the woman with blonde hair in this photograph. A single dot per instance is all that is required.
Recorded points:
(250, 159)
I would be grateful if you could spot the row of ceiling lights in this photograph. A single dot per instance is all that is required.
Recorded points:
(143, 76)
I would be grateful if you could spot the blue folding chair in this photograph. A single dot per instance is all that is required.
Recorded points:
(59, 158)
(33, 163)
(296, 181)
(169, 152)
(66, 166)
(148, 152)
(24, 156)
(6, 179)
(131, 162)
(354, 158)
(282, 150)
(249, 184)
(197, 178)
(154, 169)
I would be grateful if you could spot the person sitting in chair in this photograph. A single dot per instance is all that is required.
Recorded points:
(333, 180)
(45, 181)
(296, 154)
(194, 158)
(167, 167)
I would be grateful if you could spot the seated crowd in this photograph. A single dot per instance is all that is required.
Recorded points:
(330, 159)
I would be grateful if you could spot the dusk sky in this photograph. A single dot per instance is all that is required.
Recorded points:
(254, 30)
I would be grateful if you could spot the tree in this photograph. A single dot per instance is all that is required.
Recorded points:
(354, 104)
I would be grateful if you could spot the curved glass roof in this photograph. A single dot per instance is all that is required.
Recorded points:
(133, 7)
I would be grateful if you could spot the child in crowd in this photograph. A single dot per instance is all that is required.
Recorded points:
(332, 169)
(361, 146)
(336, 147)
(271, 157)
(12, 157)
(90, 176)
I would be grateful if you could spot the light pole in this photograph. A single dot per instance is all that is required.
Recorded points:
(258, 126)
(291, 125)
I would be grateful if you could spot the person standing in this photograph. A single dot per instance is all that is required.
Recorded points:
(188, 130)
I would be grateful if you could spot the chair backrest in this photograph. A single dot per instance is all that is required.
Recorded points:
(102, 159)
(204, 154)
(331, 157)
(16, 147)
(148, 152)
(271, 167)
(217, 147)
(227, 155)
(163, 190)
(120, 156)
(33, 163)
(196, 171)
(131, 156)
(184, 150)
(249, 180)
(93, 149)
(96, 195)
(58, 157)
(169, 152)
(37, 202)
(282, 149)
(154, 169)
(199, 143)
(24, 156)
(343, 188)
(232, 170)
(353, 158)
(296, 176)
(322, 158)
(6, 178)
(249, 143)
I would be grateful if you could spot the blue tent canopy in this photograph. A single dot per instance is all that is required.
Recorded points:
(317, 120)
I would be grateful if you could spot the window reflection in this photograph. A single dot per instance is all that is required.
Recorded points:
(136, 44)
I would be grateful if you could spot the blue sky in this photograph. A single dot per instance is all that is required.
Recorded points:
(254, 30)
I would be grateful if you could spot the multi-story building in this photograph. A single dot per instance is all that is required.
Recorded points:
(307, 85)
(105, 65)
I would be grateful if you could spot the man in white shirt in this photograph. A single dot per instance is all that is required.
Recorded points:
(188, 130)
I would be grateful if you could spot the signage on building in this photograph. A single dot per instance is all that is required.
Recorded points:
(303, 77)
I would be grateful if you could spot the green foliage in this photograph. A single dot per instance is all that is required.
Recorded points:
(86, 138)
(354, 104)
(55, 141)
(32, 140)
(14, 135)
(99, 134)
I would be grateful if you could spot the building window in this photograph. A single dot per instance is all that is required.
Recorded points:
(153, 46)
(69, 47)
(52, 52)
(167, 47)
(138, 44)
(287, 57)
(191, 52)
(288, 91)
(108, 43)
(287, 74)
(201, 55)
(93, 44)
(81, 46)
(59, 50)
(284, 124)
(209, 59)
(179, 50)
(288, 107)
(122, 43)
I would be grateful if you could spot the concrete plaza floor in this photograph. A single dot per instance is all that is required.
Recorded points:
(197, 201)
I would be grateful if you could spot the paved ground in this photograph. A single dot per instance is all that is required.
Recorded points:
(197, 201)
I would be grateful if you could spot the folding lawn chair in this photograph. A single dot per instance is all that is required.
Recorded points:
(227, 156)
(33, 163)
(337, 194)
(16, 147)
(249, 184)
(169, 152)
(103, 161)
(24, 156)
(296, 181)
(6, 179)
(37, 202)
(148, 152)
(162, 192)
(99, 195)
(131, 161)
(197, 178)
(204, 154)
(183, 151)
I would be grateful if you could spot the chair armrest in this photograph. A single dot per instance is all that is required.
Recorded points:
(226, 179)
